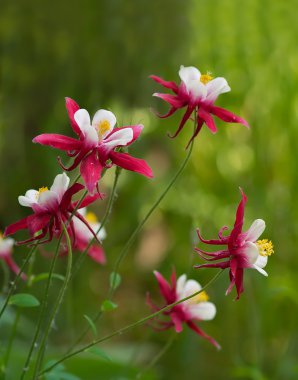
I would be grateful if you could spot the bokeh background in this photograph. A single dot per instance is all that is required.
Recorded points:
(101, 53)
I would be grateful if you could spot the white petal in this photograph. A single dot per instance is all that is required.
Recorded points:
(121, 137)
(255, 230)
(251, 252)
(102, 115)
(60, 185)
(188, 74)
(48, 199)
(190, 287)
(29, 198)
(197, 89)
(102, 234)
(82, 211)
(180, 285)
(203, 310)
(216, 87)
(82, 118)
(261, 261)
(91, 135)
(262, 271)
(6, 245)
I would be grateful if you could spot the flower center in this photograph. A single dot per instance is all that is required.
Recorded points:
(265, 247)
(91, 217)
(205, 78)
(103, 127)
(201, 297)
(41, 190)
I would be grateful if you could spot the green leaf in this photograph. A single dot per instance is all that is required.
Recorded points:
(24, 300)
(108, 305)
(44, 276)
(115, 280)
(97, 351)
(91, 324)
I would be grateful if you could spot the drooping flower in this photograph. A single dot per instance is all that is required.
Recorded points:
(197, 93)
(6, 245)
(243, 249)
(97, 146)
(84, 236)
(195, 309)
(50, 208)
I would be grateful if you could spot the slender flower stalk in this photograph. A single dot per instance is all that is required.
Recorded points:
(56, 306)
(129, 327)
(133, 236)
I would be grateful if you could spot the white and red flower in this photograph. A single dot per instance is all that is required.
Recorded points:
(198, 93)
(243, 249)
(97, 145)
(84, 236)
(195, 309)
(50, 208)
(6, 249)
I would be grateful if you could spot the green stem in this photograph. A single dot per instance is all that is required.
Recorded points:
(108, 211)
(16, 280)
(56, 306)
(129, 327)
(133, 236)
(11, 339)
(156, 358)
(42, 312)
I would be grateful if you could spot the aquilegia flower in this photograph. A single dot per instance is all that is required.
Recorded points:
(6, 245)
(84, 236)
(198, 93)
(243, 249)
(195, 309)
(97, 146)
(50, 209)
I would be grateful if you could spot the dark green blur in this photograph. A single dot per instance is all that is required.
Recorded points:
(101, 53)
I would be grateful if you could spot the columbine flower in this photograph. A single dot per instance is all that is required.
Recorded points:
(50, 209)
(84, 236)
(198, 93)
(97, 145)
(243, 249)
(6, 255)
(195, 309)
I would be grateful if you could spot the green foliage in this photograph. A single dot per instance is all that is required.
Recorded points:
(115, 280)
(24, 300)
(98, 352)
(108, 305)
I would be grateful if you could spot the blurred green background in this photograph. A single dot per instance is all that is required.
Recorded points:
(101, 53)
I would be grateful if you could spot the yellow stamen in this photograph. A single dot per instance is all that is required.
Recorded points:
(103, 127)
(201, 297)
(1, 236)
(41, 190)
(91, 217)
(205, 78)
(265, 247)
